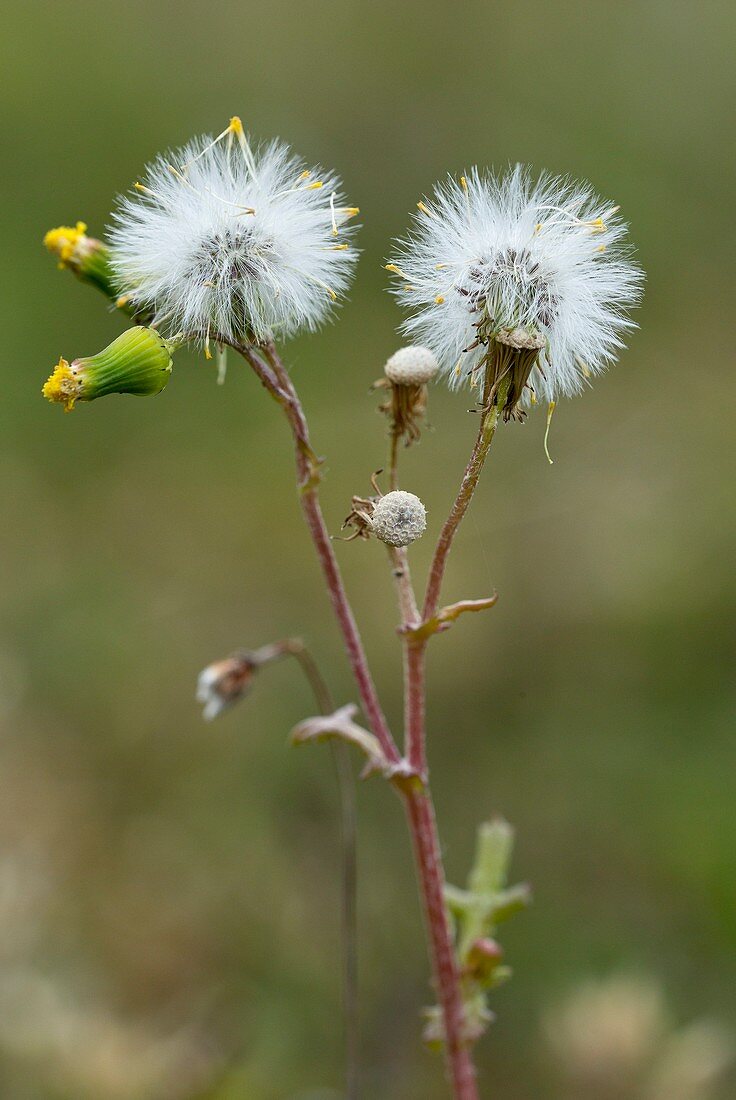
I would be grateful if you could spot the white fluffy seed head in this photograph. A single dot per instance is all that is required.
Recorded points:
(222, 240)
(399, 518)
(411, 366)
(512, 253)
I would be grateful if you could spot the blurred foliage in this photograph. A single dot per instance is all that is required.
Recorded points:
(169, 920)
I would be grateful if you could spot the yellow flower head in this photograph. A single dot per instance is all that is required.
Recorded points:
(137, 362)
(69, 243)
(62, 385)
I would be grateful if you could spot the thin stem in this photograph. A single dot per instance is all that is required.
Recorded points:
(349, 838)
(423, 827)
(349, 835)
(393, 461)
(274, 377)
(427, 854)
(489, 421)
(404, 588)
(409, 612)
(420, 811)
(419, 804)
(415, 707)
(322, 696)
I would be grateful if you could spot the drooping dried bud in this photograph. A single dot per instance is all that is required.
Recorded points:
(406, 375)
(137, 362)
(224, 682)
(399, 518)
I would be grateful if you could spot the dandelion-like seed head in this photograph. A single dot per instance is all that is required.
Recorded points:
(524, 283)
(222, 240)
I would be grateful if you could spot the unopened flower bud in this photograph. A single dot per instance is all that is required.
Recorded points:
(399, 518)
(138, 362)
(87, 257)
(411, 366)
(224, 682)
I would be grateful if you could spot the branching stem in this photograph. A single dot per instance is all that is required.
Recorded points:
(419, 807)
(275, 378)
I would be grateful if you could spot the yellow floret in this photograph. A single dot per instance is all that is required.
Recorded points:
(62, 386)
(64, 241)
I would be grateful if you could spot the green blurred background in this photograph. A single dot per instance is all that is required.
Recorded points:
(169, 904)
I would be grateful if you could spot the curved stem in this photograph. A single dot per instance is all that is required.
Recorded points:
(420, 810)
(489, 421)
(349, 838)
(274, 377)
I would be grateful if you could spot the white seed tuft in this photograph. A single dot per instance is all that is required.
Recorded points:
(221, 240)
(541, 258)
(411, 366)
(399, 518)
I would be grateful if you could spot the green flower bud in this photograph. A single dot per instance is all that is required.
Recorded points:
(138, 362)
(87, 257)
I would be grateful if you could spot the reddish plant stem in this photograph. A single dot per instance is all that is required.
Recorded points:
(416, 736)
(349, 829)
(308, 479)
(489, 420)
(409, 617)
(416, 740)
(413, 674)
(423, 827)
(393, 462)
(419, 807)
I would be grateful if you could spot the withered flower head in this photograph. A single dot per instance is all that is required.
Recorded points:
(225, 682)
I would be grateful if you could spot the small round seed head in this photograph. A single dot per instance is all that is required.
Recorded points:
(411, 366)
(399, 518)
